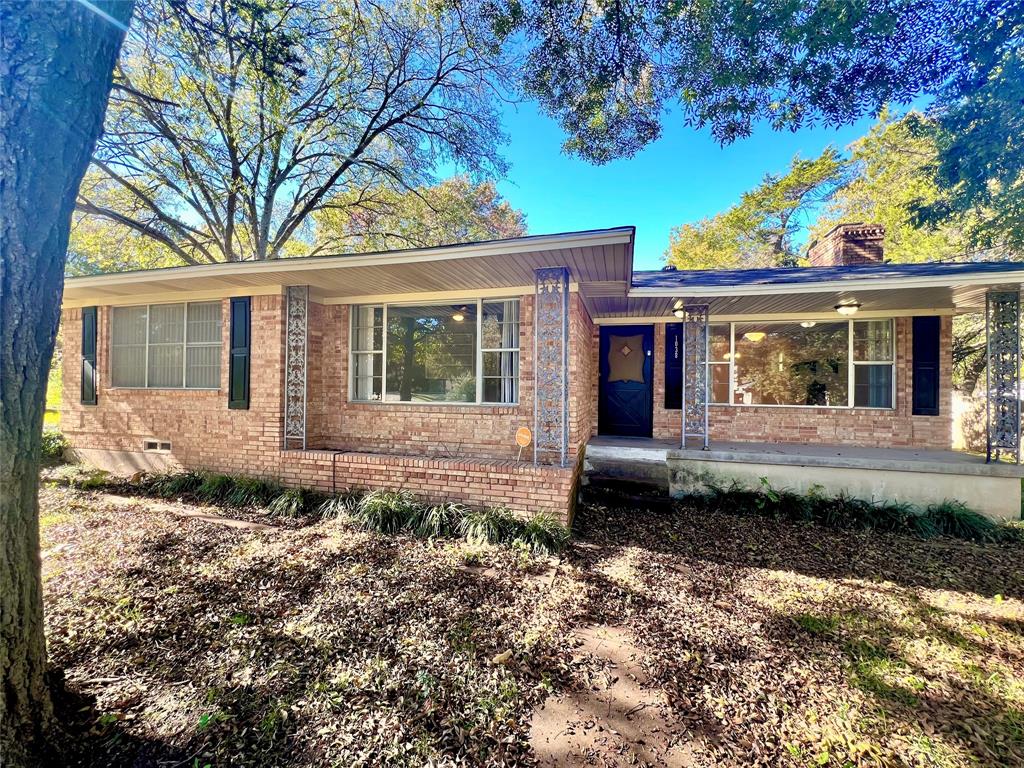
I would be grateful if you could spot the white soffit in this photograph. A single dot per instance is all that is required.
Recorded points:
(602, 257)
(782, 303)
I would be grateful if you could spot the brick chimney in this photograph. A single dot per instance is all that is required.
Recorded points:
(845, 244)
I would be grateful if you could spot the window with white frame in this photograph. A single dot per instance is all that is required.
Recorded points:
(170, 346)
(462, 352)
(873, 359)
(847, 363)
(718, 363)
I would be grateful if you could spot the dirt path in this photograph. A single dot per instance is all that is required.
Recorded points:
(617, 720)
(203, 514)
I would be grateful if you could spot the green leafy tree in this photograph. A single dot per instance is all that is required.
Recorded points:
(58, 59)
(235, 121)
(98, 244)
(893, 174)
(761, 230)
(981, 140)
(455, 210)
(611, 70)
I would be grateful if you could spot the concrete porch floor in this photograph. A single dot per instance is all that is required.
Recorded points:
(603, 448)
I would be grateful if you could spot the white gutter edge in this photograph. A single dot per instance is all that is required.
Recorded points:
(831, 286)
(466, 251)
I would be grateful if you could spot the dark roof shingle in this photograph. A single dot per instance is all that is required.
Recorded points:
(796, 275)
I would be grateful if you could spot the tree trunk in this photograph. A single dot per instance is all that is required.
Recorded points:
(56, 61)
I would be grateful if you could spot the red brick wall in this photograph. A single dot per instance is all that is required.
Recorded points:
(848, 244)
(583, 373)
(201, 428)
(519, 486)
(856, 426)
(436, 431)
(206, 434)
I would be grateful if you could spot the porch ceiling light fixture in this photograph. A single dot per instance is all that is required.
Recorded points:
(848, 308)
(459, 314)
(754, 336)
(808, 324)
(679, 312)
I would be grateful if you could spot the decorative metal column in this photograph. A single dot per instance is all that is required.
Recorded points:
(1002, 374)
(296, 348)
(551, 364)
(695, 373)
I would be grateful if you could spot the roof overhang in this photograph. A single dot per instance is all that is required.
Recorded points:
(599, 259)
(807, 299)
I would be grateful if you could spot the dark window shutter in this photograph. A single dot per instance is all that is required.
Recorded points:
(238, 359)
(673, 366)
(926, 332)
(88, 356)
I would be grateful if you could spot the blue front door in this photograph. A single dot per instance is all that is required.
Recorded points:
(625, 403)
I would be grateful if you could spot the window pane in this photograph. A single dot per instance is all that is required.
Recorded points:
(368, 329)
(128, 347)
(165, 365)
(872, 386)
(500, 325)
(166, 323)
(204, 323)
(719, 377)
(366, 376)
(718, 343)
(128, 365)
(432, 353)
(501, 377)
(872, 340)
(787, 364)
(129, 325)
(203, 366)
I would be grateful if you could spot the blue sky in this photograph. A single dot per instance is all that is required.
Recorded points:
(683, 177)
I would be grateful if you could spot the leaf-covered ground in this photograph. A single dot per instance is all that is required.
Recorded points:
(746, 641)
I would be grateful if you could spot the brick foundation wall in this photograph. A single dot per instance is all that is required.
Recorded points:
(857, 426)
(522, 487)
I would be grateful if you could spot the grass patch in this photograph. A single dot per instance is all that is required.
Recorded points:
(950, 518)
(215, 488)
(388, 511)
(493, 525)
(253, 492)
(817, 625)
(383, 510)
(293, 502)
(338, 505)
(544, 535)
(441, 520)
(53, 444)
(954, 518)
(174, 484)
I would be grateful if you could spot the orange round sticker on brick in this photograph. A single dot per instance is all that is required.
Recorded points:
(523, 437)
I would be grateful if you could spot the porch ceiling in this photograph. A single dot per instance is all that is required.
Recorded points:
(601, 257)
(910, 293)
(936, 300)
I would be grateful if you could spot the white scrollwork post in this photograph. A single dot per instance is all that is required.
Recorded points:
(551, 364)
(695, 373)
(296, 351)
(1002, 375)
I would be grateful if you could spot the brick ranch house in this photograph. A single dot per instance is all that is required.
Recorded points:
(495, 372)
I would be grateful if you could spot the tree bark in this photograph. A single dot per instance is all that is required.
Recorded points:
(56, 62)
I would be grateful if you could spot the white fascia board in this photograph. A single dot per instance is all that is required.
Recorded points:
(418, 256)
(823, 317)
(834, 286)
